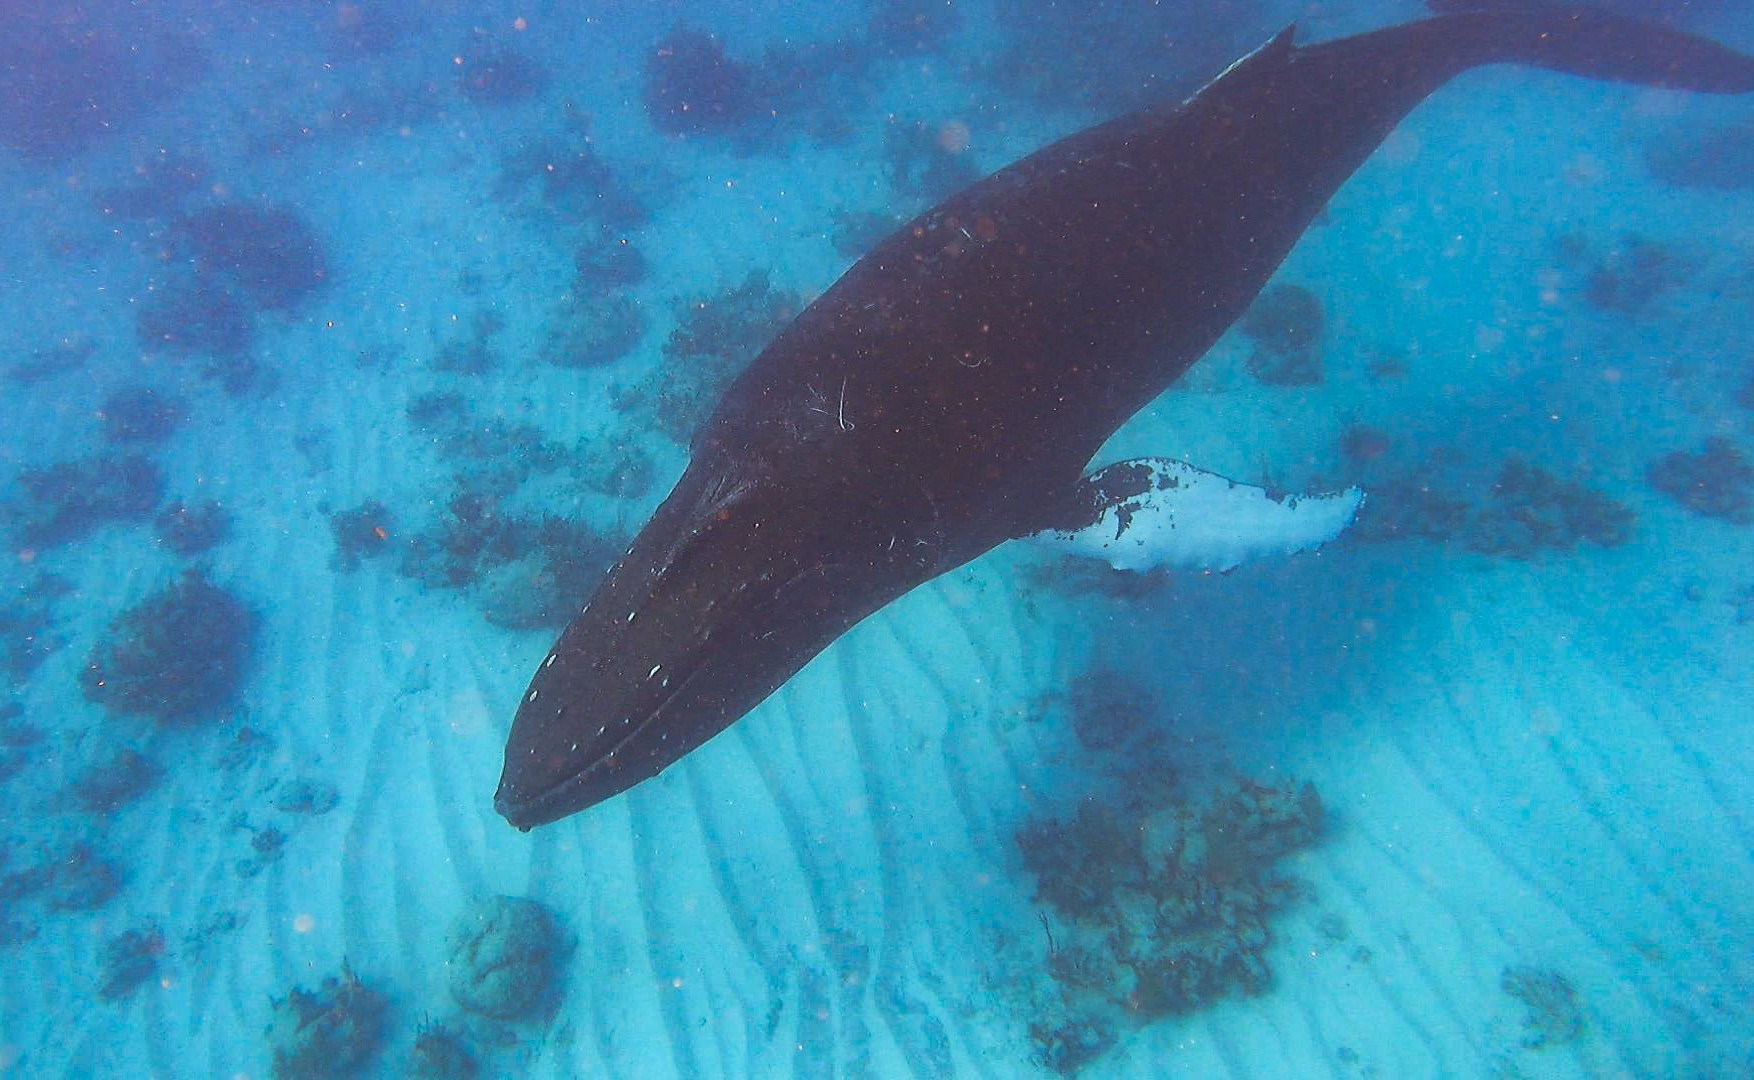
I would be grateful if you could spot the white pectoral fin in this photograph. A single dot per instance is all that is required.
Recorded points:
(1154, 512)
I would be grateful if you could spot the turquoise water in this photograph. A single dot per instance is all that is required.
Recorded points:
(349, 345)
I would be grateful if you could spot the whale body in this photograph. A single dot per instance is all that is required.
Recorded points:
(948, 391)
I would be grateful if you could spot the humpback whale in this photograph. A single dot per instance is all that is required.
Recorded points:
(948, 391)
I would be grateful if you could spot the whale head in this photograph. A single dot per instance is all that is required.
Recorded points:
(733, 586)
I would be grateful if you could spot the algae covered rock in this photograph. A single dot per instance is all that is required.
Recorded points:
(181, 655)
(505, 954)
(1159, 909)
(1556, 1016)
(441, 1054)
(333, 1031)
(130, 960)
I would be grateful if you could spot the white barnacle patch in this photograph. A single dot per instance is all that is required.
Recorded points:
(654, 670)
(552, 656)
(630, 615)
(602, 729)
(531, 698)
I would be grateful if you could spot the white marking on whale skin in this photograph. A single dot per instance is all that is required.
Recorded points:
(1188, 518)
(1281, 41)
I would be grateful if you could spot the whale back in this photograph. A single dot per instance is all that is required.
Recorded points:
(945, 394)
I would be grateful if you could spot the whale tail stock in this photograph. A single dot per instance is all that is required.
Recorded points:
(1372, 80)
(1575, 40)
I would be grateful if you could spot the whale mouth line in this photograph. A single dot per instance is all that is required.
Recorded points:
(520, 808)
(527, 809)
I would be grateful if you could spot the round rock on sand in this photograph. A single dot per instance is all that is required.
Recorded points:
(505, 955)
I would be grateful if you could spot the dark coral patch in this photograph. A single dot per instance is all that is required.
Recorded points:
(361, 533)
(139, 414)
(522, 571)
(267, 252)
(190, 530)
(179, 656)
(474, 354)
(160, 188)
(1111, 712)
(621, 471)
(73, 499)
(68, 80)
(605, 265)
(1718, 160)
(439, 416)
(1361, 444)
(1526, 511)
(593, 330)
(440, 1051)
(130, 960)
(66, 355)
(332, 1031)
(1534, 511)
(715, 338)
(1162, 908)
(1714, 480)
(28, 636)
(113, 783)
(1555, 1014)
(82, 880)
(692, 87)
(1633, 273)
(541, 590)
(578, 184)
(186, 314)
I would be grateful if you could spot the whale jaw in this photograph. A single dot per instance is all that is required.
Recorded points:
(709, 612)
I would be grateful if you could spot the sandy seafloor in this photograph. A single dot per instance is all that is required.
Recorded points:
(1540, 762)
